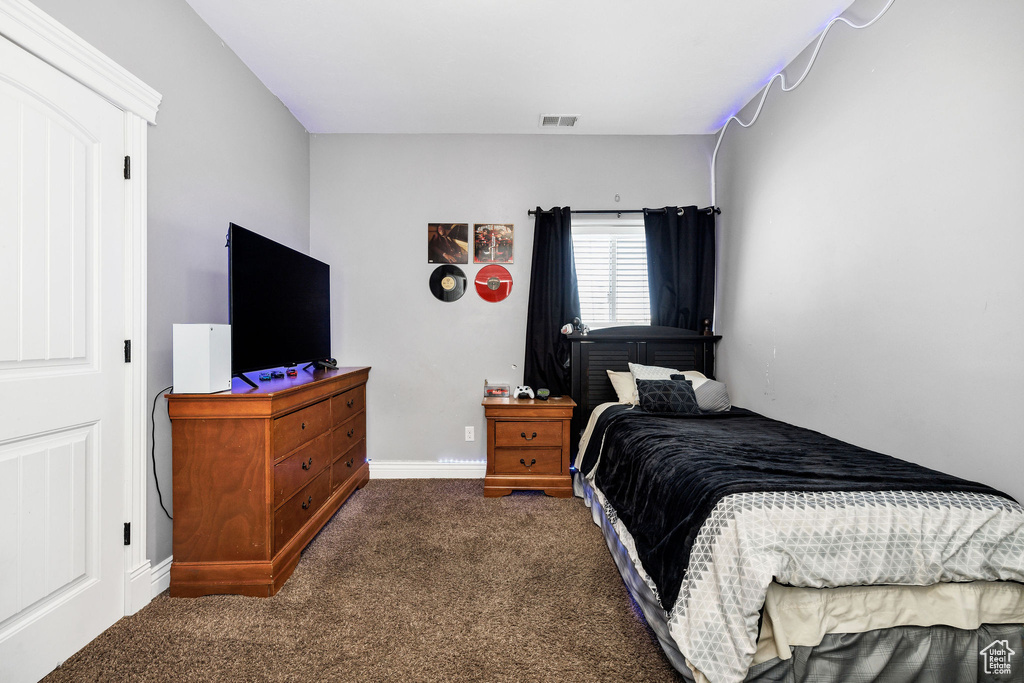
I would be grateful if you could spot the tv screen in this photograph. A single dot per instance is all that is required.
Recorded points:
(280, 304)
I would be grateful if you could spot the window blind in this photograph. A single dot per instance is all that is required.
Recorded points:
(611, 270)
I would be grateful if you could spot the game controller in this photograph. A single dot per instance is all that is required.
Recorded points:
(523, 392)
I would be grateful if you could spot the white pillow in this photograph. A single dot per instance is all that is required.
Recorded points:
(656, 372)
(696, 378)
(625, 387)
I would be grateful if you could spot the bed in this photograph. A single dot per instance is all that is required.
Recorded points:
(761, 551)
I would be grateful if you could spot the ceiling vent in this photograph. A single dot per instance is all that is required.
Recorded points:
(548, 121)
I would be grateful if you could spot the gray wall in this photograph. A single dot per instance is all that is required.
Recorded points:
(872, 260)
(371, 200)
(224, 149)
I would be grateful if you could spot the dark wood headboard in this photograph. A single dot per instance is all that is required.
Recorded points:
(614, 348)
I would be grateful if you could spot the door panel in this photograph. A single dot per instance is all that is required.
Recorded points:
(48, 245)
(46, 497)
(62, 374)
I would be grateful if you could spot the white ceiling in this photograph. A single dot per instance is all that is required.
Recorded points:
(647, 67)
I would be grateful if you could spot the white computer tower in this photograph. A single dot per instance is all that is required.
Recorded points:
(202, 358)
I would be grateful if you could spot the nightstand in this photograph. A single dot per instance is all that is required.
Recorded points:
(528, 446)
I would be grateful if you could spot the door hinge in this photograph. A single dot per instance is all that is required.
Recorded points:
(127, 168)
(127, 350)
(127, 533)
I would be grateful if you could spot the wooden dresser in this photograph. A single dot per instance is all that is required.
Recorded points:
(528, 446)
(257, 473)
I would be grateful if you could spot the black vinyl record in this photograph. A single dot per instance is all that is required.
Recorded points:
(448, 283)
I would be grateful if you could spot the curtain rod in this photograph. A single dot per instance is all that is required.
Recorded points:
(709, 209)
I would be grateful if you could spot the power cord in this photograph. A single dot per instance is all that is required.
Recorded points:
(152, 451)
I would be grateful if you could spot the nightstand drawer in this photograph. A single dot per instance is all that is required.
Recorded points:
(530, 434)
(527, 460)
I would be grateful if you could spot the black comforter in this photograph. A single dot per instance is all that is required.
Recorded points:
(664, 475)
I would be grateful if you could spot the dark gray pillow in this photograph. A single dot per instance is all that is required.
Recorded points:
(667, 396)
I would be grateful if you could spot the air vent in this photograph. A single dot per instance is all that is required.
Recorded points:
(548, 121)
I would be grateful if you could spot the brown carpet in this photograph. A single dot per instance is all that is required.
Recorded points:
(413, 580)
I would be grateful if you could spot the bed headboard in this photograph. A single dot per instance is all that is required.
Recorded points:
(613, 348)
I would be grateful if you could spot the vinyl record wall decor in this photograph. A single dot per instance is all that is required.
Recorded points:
(492, 242)
(493, 283)
(449, 243)
(448, 283)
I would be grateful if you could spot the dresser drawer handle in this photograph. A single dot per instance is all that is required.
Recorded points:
(307, 503)
(350, 432)
(303, 425)
(528, 438)
(351, 402)
(307, 465)
(350, 461)
(533, 461)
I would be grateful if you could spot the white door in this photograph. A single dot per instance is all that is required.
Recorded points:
(62, 372)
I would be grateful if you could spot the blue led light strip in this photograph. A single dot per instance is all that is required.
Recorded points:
(781, 77)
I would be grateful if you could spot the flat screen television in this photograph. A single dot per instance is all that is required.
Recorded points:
(280, 304)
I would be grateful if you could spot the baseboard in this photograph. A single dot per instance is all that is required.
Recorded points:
(161, 577)
(412, 469)
(137, 593)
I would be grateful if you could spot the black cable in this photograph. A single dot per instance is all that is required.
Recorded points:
(152, 452)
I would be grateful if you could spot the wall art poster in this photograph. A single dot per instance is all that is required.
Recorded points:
(447, 243)
(492, 243)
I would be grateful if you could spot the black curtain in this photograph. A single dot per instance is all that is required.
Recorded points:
(681, 266)
(554, 301)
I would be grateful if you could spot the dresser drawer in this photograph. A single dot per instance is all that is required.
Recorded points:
(347, 464)
(349, 434)
(527, 460)
(295, 471)
(295, 429)
(344, 406)
(528, 434)
(298, 509)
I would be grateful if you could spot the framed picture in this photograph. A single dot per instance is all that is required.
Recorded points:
(447, 243)
(492, 243)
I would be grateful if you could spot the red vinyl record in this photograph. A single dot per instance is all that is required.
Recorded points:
(493, 283)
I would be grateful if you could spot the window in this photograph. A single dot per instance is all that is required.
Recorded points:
(611, 269)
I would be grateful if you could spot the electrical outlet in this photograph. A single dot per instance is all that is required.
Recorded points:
(470, 436)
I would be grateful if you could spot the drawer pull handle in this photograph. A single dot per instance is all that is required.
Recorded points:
(307, 503)
(533, 461)
(528, 438)
(307, 465)
(351, 402)
(351, 432)
(350, 461)
(303, 425)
